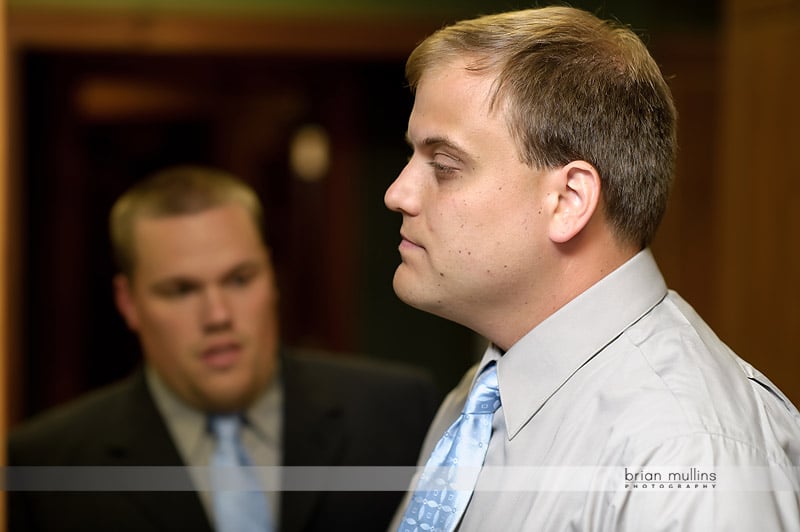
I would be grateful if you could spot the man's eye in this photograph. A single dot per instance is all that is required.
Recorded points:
(176, 290)
(240, 279)
(442, 170)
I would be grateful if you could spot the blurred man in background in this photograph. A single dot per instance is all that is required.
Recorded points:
(197, 286)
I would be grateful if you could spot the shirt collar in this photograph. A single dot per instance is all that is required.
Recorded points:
(267, 408)
(534, 368)
(189, 426)
(186, 424)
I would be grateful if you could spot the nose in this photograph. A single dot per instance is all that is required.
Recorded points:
(216, 313)
(403, 195)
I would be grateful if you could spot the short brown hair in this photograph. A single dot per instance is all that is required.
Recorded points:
(574, 87)
(175, 191)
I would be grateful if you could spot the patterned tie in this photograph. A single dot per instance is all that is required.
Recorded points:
(449, 477)
(240, 504)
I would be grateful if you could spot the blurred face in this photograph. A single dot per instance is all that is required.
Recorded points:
(474, 234)
(203, 301)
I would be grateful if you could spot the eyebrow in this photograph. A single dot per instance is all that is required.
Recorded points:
(441, 141)
(168, 284)
(246, 266)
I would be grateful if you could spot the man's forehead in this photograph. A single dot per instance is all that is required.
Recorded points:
(449, 83)
(189, 244)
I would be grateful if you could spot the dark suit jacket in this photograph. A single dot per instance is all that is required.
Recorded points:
(337, 412)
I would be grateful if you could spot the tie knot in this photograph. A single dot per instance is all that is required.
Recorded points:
(225, 428)
(484, 398)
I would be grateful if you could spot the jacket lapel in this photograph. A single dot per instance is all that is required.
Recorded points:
(142, 439)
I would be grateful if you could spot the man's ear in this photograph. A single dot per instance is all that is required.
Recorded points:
(578, 190)
(124, 299)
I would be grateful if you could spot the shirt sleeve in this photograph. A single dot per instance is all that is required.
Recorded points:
(700, 482)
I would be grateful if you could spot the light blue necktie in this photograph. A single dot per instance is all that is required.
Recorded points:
(449, 477)
(240, 504)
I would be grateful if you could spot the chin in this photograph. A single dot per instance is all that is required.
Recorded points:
(228, 400)
(419, 299)
(407, 296)
(408, 288)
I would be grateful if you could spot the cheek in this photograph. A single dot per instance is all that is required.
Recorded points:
(469, 228)
(167, 327)
(490, 236)
(259, 309)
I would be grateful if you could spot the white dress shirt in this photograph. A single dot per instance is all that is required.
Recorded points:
(624, 411)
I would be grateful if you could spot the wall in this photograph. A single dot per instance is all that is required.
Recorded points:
(4, 238)
(657, 13)
(758, 189)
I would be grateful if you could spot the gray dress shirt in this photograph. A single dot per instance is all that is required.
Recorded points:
(624, 411)
(261, 434)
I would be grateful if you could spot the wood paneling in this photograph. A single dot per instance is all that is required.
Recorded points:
(758, 189)
(181, 32)
(685, 245)
(5, 331)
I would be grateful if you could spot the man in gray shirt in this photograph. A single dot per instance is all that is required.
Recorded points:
(543, 147)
